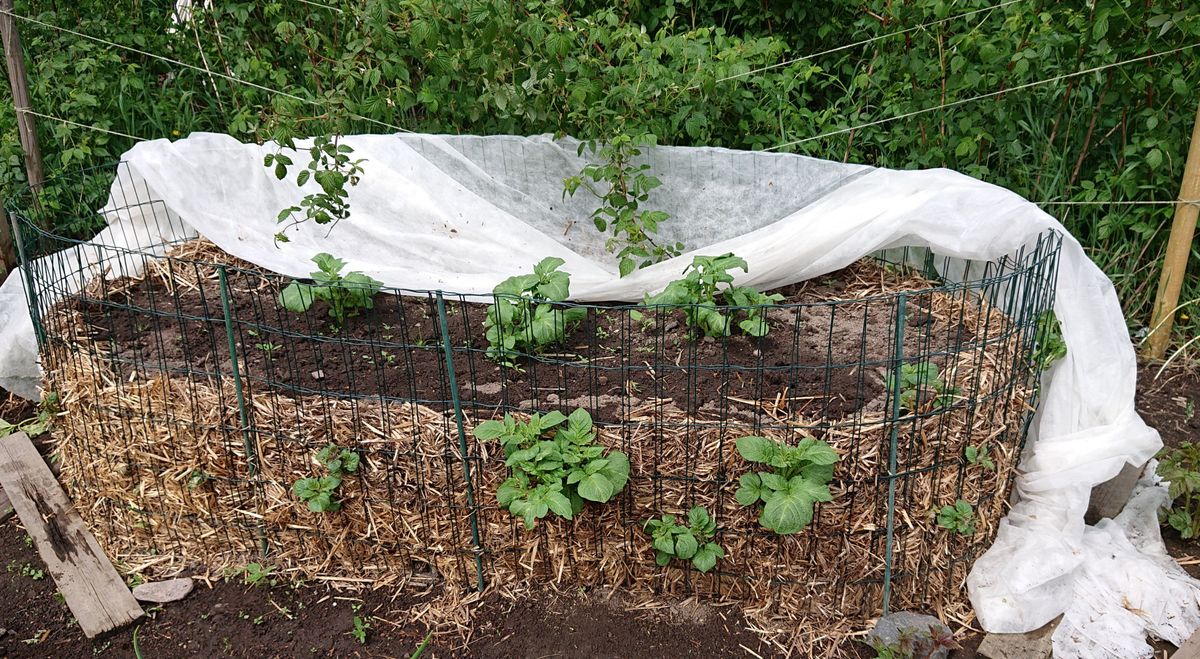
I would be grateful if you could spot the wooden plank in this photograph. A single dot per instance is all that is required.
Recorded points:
(6, 509)
(1190, 648)
(98, 598)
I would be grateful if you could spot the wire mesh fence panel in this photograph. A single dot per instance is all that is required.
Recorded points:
(208, 423)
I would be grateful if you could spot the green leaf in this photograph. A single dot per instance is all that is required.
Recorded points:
(508, 491)
(751, 490)
(560, 504)
(773, 482)
(596, 487)
(686, 546)
(756, 449)
(489, 430)
(790, 510)
(296, 297)
(816, 452)
(706, 557)
(665, 543)
(617, 470)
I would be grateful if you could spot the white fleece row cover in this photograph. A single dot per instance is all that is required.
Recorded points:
(461, 213)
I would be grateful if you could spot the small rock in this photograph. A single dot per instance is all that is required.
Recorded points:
(489, 388)
(162, 592)
(602, 380)
(318, 375)
(909, 634)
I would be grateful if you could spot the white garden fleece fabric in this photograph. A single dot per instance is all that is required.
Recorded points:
(460, 213)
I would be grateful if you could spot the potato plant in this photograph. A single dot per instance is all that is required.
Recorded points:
(1181, 467)
(706, 278)
(524, 318)
(690, 542)
(921, 385)
(796, 478)
(554, 468)
(346, 295)
(959, 518)
(320, 492)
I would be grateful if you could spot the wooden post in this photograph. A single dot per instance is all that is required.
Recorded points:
(8, 249)
(14, 58)
(1183, 228)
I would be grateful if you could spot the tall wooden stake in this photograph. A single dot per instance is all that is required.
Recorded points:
(1183, 229)
(14, 58)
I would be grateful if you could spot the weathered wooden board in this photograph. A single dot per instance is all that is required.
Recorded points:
(97, 596)
(1190, 648)
(6, 509)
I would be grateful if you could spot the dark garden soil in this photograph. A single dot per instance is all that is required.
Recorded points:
(1170, 402)
(609, 362)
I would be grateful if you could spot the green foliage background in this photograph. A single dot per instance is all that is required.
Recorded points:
(592, 68)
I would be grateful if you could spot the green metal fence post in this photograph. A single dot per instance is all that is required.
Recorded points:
(897, 364)
(462, 440)
(25, 265)
(243, 418)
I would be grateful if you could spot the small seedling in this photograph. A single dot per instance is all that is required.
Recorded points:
(921, 384)
(705, 279)
(269, 349)
(524, 317)
(26, 570)
(361, 626)
(1180, 466)
(978, 455)
(319, 492)
(257, 574)
(798, 479)
(197, 478)
(554, 468)
(346, 296)
(691, 542)
(959, 518)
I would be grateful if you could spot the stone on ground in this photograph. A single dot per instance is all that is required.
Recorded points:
(162, 592)
(909, 634)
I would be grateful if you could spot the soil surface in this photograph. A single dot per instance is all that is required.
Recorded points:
(610, 360)
(1170, 402)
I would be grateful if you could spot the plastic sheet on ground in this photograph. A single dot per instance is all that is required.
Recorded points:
(460, 213)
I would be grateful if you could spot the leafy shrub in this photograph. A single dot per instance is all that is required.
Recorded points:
(346, 296)
(798, 478)
(628, 187)
(319, 492)
(1181, 467)
(331, 167)
(691, 542)
(554, 468)
(959, 518)
(524, 318)
(706, 278)
(921, 385)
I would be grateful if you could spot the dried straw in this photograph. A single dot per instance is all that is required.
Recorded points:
(157, 466)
